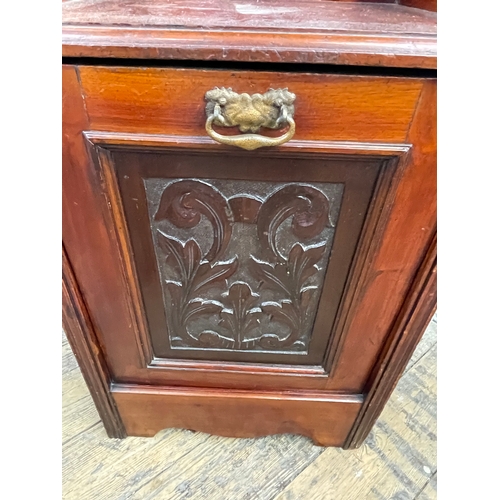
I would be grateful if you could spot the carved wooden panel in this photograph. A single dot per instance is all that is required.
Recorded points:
(241, 263)
(239, 257)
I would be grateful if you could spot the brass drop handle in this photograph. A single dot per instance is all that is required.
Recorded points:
(273, 110)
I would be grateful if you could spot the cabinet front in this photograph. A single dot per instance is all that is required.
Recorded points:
(211, 265)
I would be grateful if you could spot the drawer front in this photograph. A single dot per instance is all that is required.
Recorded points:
(172, 101)
(206, 265)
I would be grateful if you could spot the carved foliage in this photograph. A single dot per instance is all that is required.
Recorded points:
(290, 278)
(207, 302)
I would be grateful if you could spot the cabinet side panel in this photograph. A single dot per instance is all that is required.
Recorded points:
(79, 331)
(419, 304)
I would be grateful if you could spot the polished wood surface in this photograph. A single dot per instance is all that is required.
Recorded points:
(300, 15)
(308, 313)
(305, 31)
(419, 307)
(409, 227)
(172, 101)
(326, 418)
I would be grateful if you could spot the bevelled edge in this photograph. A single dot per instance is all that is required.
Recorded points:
(336, 48)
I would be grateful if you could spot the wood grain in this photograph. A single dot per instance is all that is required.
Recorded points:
(172, 101)
(417, 311)
(302, 15)
(421, 4)
(428, 341)
(88, 242)
(308, 32)
(326, 418)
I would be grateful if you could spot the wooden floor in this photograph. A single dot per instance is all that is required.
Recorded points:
(397, 462)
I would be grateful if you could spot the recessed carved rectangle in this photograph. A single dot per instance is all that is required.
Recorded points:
(241, 263)
(236, 259)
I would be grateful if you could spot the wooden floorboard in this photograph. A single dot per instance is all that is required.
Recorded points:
(397, 461)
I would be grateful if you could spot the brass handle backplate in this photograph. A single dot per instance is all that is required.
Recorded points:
(273, 110)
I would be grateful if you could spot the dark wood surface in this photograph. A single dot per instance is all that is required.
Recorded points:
(130, 129)
(355, 178)
(306, 31)
(301, 15)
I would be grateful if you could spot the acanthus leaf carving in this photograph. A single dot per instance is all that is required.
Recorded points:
(208, 304)
(243, 314)
(210, 275)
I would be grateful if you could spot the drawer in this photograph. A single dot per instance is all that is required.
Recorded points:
(208, 270)
(172, 101)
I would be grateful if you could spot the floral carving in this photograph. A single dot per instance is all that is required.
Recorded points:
(208, 304)
(289, 274)
(193, 275)
(290, 277)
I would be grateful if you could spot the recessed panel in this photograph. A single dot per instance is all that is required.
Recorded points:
(242, 257)
(241, 263)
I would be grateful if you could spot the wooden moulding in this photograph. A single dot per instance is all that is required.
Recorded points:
(340, 33)
(409, 327)
(81, 337)
(325, 418)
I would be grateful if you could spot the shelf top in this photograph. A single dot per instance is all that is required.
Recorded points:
(294, 31)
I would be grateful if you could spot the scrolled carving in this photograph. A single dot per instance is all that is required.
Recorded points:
(290, 278)
(184, 202)
(308, 208)
(243, 295)
(191, 276)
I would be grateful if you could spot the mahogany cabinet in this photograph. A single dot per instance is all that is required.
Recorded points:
(249, 228)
